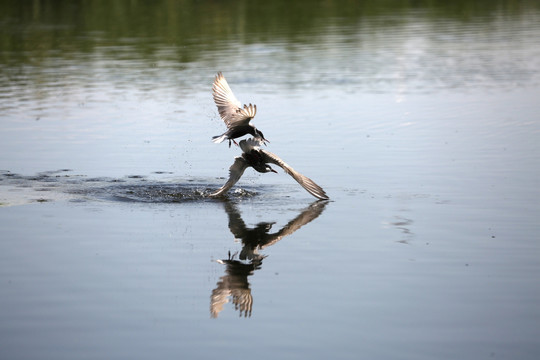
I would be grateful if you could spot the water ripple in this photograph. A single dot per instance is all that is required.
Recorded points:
(16, 189)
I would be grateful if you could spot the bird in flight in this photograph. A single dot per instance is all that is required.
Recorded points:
(257, 158)
(236, 117)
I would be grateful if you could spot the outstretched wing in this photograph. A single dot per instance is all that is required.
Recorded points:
(235, 173)
(229, 108)
(306, 182)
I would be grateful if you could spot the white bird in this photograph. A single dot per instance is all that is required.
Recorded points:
(236, 117)
(258, 159)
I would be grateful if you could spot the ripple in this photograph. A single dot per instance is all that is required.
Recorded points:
(151, 193)
(16, 189)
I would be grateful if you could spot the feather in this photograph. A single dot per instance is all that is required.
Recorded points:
(304, 181)
(235, 173)
(229, 107)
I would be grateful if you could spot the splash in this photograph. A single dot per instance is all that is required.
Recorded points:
(16, 189)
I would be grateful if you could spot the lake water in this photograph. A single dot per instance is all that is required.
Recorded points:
(421, 121)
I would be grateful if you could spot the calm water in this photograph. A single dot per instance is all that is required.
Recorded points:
(420, 121)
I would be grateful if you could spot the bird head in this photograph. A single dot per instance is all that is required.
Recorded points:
(259, 134)
(269, 169)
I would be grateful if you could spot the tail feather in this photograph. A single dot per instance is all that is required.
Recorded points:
(219, 138)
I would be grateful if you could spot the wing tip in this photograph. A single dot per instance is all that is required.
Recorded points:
(322, 196)
(248, 111)
(218, 193)
(316, 191)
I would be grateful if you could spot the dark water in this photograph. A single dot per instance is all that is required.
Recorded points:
(420, 120)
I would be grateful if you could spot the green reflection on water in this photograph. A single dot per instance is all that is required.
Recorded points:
(34, 30)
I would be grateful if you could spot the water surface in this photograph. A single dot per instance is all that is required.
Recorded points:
(420, 122)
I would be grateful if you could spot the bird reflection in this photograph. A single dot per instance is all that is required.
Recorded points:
(239, 267)
(234, 283)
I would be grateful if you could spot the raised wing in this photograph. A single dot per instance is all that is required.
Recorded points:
(250, 144)
(306, 182)
(235, 173)
(229, 108)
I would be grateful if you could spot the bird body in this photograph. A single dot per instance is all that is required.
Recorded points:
(257, 158)
(236, 117)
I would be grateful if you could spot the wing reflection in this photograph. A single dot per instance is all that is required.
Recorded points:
(235, 282)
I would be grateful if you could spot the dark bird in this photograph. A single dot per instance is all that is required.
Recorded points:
(236, 117)
(257, 158)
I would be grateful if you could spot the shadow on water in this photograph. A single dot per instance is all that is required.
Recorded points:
(235, 282)
(16, 189)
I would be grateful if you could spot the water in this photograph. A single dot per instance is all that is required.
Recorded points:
(420, 122)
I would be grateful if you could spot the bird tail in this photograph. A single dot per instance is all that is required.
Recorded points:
(219, 138)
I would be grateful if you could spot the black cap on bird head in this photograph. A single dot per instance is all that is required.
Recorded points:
(258, 133)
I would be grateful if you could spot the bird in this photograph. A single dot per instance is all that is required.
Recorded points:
(257, 158)
(236, 117)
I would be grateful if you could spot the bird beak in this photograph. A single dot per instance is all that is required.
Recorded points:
(272, 170)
